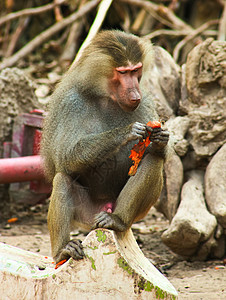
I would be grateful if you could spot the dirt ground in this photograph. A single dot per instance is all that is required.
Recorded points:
(193, 280)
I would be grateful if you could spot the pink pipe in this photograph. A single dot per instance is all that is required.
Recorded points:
(19, 169)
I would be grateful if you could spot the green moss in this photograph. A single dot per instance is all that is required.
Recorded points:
(123, 264)
(160, 293)
(45, 276)
(93, 248)
(101, 236)
(145, 285)
(108, 253)
(20, 267)
(148, 286)
(92, 262)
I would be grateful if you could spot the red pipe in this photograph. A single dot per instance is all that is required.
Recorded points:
(19, 169)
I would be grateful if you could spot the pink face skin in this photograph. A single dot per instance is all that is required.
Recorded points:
(124, 86)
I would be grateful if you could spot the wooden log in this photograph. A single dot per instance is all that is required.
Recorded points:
(114, 268)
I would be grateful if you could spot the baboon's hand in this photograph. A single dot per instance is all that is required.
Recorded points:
(139, 131)
(109, 221)
(159, 138)
(73, 249)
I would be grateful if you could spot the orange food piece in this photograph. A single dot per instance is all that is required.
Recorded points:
(60, 263)
(12, 220)
(138, 150)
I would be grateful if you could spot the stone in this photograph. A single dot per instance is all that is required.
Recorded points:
(164, 83)
(178, 128)
(192, 225)
(17, 96)
(170, 196)
(205, 99)
(215, 186)
(205, 71)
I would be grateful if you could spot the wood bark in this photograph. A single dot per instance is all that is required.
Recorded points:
(114, 268)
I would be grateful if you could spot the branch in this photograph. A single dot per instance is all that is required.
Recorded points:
(73, 38)
(29, 12)
(191, 36)
(176, 33)
(57, 11)
(139, 20)
(161, 13)
(23, 22)
(102, 11)
(45, 35)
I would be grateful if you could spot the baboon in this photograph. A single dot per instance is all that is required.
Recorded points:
(96, 115)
